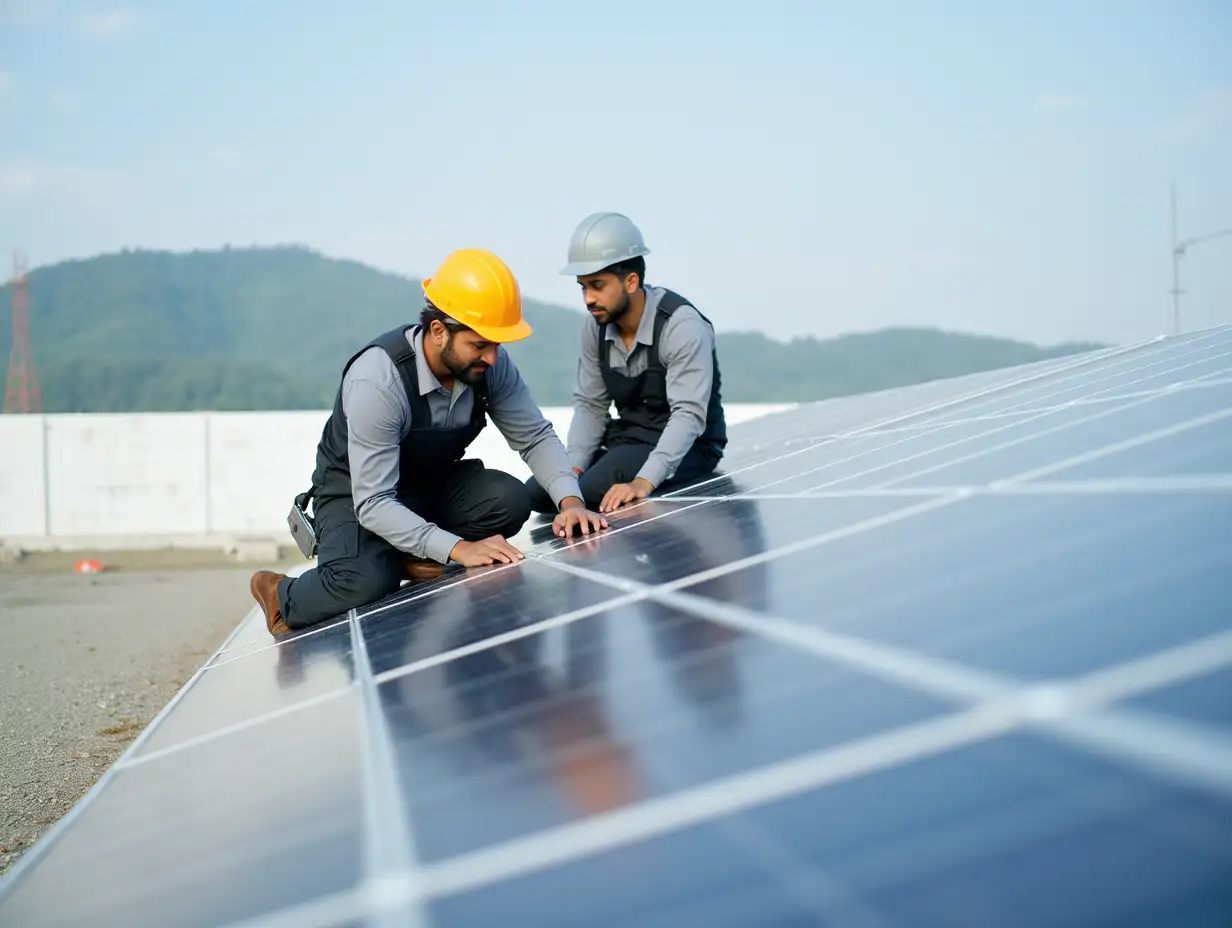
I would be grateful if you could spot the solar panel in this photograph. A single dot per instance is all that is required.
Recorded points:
(956, 654)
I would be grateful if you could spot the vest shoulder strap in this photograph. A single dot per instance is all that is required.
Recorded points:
(668, 304)
(395, 344)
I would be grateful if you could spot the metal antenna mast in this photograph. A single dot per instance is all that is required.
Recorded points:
(1178, 252)
(21, 390)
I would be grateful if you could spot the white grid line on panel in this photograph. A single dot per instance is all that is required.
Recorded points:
(1142, 370)
(48, 839)
(808, 885)
(740, 792)
(719, 798)
(1116, 448)
(928, 409)
(1184, 483)
(728, 795)
(1179, 387)
(937, 425)
(1180, 752)
(391, 873)
(272, 643)
(1022, 409)
(611, 530)
(992, 449)
(1150, 396)
(321, 912)
(236, 727)
(495, 641)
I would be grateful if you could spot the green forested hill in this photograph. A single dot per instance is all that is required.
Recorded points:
(269, 328)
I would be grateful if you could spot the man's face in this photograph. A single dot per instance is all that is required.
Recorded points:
(606, 295)
(468, 356)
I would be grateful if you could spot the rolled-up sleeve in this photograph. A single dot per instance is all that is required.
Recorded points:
(591, 402)
(528, 432)
(686, 351)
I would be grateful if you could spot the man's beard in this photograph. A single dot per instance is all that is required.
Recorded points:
(469, 375)
(613, 315)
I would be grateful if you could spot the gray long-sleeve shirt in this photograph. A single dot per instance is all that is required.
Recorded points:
(379, 418)
(686, 352)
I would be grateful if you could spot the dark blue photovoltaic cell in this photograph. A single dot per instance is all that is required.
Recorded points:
(1034, 586)
(249, 823)
(1014, 832)
(268, 680)
(1206, 700)
(515, 710)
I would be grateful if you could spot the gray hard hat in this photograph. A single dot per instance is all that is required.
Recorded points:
(601, 240)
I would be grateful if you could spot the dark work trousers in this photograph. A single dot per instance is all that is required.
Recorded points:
(620, 464)
(356, 567)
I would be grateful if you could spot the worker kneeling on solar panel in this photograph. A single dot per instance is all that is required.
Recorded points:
(393, 498)
(652, 353)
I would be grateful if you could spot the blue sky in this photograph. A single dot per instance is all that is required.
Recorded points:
(798, 168)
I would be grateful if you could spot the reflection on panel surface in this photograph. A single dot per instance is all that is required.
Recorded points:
(247, 687)
(496, 602)
(1012, 832)
(610, 710)
(245, 824)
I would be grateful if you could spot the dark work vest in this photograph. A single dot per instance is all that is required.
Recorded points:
(425, 452)
(641, 401)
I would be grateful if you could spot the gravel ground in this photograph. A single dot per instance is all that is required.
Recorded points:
(88, 661)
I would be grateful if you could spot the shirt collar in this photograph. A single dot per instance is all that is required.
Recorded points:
(427, 380)
(645, 327)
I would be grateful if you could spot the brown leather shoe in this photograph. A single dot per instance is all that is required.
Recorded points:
(264, 587)
(420, 569)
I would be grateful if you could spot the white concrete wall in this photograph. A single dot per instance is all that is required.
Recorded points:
(179, 478)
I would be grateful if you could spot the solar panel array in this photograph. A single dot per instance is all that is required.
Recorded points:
(958, 654)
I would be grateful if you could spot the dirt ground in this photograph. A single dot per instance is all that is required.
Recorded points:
(89, 659)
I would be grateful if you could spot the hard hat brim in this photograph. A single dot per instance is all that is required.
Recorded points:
(581, 268)
(505, 333)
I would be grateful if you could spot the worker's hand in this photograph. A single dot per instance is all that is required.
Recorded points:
(621, 493)
(574, 514)
(494, 550)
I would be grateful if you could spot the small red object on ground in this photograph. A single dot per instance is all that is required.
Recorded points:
(89, 566)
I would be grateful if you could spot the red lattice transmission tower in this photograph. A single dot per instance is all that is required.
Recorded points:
(21, 390)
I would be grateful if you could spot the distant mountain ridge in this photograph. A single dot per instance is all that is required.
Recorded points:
(270, 327)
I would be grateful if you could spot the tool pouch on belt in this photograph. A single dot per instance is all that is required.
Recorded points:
(303, 527)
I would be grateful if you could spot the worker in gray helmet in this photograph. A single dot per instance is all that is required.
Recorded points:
(650, 352)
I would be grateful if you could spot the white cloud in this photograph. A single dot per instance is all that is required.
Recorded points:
(20, 178)
(106, 25)
(17, 177)
(1058, 102)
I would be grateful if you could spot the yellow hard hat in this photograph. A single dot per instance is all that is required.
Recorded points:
(477, 288)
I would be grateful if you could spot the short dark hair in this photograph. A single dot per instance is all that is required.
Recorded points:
(429, 313)
(630, 266)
